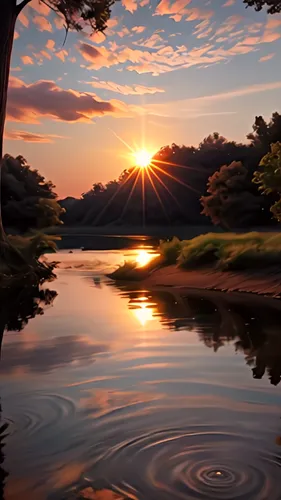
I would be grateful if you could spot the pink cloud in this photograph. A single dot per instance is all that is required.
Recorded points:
(16, 35)
(197, 13)
(62, 54)
(125, 89)
(40, 7)
(59, 22)
(44, 99)
(42, 23)
(50, 45)
(23, 135)
(123, 32)
(17, 68)
(138, 29)
(229, 3)
(143, 61)
(27, 60)
(166, 7)
(23, 19)
(130, 5)
(143, 3)
(269, 37)
(267, 58)
(46, 54)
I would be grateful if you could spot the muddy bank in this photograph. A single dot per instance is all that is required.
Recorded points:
(262, 282)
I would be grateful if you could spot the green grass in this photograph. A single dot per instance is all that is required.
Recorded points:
(225, 251)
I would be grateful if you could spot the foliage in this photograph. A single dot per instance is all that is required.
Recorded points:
(170, 250)
(232, 200)
(272, 6)
(264, 133)
(180, 176)
(79, 14)
(269, 178)
(28, 200)
(232, 251)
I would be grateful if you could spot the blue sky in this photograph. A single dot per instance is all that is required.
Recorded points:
(165, 71)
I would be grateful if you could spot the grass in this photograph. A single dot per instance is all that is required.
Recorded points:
(20, 262)
(225, 251)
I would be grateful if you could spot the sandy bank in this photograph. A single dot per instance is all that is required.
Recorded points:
(263, 282)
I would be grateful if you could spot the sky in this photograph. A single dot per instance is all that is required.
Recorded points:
(164, 71)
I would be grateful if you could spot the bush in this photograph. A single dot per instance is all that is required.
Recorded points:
(170, 250)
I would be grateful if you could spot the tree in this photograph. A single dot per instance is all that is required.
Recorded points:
(269, 178)
(272, 6)
(28, 200)
(232, 202)
(77, 14)
(264, 134)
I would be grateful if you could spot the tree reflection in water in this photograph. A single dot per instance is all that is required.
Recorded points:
(251, 323)
(17, 307)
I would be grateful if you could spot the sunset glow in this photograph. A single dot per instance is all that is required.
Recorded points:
(144, 257)
(142, 158)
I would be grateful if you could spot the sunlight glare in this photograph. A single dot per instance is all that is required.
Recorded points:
(143, 310)
(143, 257)
(142, 158)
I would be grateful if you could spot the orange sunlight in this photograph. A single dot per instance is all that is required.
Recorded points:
(142, 158)
(143, 257)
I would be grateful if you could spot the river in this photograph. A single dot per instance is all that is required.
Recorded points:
(148, 394)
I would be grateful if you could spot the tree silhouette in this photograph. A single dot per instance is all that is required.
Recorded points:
(269, 177)
(77, 14)
(28, 200)
(232, 201)
(20, 305)
(272, 6)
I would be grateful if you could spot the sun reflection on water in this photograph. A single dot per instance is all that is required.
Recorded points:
(143, 257)
(143, 310)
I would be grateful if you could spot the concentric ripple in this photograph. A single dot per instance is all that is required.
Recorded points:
(191, 464)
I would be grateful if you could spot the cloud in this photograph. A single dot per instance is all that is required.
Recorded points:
(50, 45)
(50, 354)
(59, 22)
(42, 23)
(16, 68)
(30, 103)
(130, 5)
(62, 54)
(125, 89)
(197, 13)
(166, 7)
(23, 135)
(46, 54)
(40, 7)
(143, 61)
(27, 60)
(16, 35)
(143, 3)
(138, 29)
(229, 3)
(267, 58)
(123, 32)
(23, 19)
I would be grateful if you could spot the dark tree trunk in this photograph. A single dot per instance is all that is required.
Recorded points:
(8, 16)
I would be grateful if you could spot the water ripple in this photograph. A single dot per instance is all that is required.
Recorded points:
(192, 464)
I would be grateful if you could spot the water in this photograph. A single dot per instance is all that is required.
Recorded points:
(151, 394)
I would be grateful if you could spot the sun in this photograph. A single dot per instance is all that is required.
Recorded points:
(142, 158)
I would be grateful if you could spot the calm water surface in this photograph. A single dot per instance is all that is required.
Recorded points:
(153, 394)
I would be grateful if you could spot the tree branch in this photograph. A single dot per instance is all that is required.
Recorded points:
(21, 6)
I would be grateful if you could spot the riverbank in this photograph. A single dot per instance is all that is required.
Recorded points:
(259, 282)
(249, 262)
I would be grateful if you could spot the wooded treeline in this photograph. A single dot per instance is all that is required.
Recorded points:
(183, 186)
